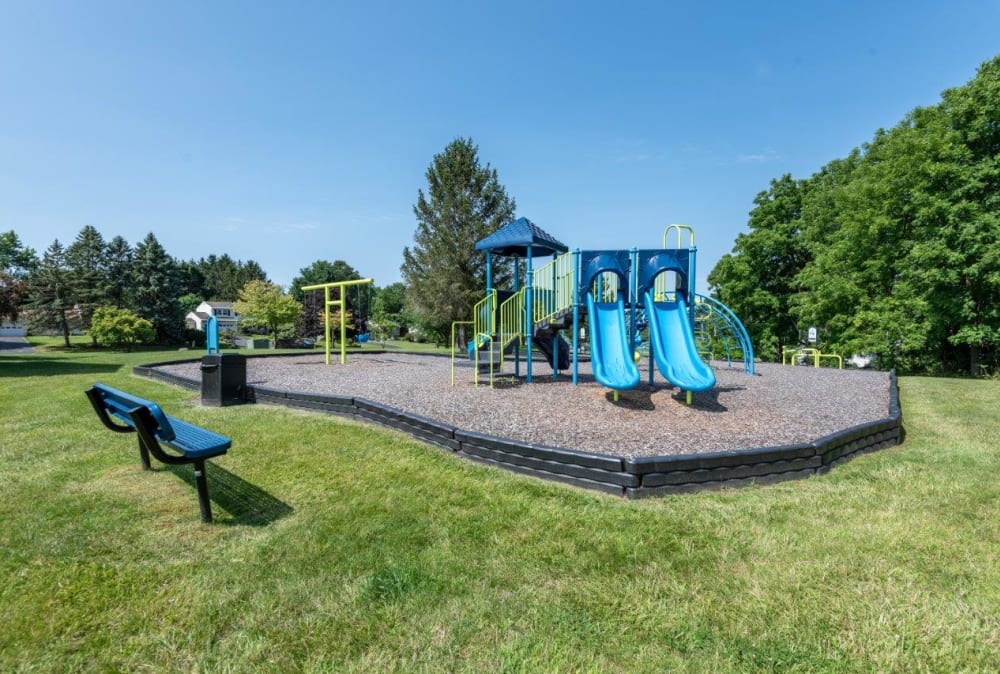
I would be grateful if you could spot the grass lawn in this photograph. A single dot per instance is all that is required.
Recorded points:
(344, 547)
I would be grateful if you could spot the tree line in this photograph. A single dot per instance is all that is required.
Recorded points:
(892, 251)
(123, 295)
(62, 289)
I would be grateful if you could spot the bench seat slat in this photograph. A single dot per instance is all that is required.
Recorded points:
(196, 442)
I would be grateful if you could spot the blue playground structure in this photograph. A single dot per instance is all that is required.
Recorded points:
(618, 293)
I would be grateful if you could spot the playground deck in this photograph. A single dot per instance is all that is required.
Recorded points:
(780, 405)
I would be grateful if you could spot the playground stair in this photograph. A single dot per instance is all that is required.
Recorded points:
(499, 351)
(545, 346)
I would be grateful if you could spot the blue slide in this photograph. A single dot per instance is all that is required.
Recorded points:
(672, 340)
(610, 351)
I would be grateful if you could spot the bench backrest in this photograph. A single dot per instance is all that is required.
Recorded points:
(119, 404)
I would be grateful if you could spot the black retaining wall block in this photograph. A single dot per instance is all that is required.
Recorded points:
(555, 477)
(692, 487)
(261, 394)
(632, 478)
(724, 473)
(555, 454)
(176, 380)
(333, 404)
(555, 467)
(713, 460)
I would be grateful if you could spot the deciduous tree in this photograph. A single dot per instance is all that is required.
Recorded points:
(16, 263)
(263, 304)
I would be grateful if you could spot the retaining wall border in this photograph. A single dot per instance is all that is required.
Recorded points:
(630, 478)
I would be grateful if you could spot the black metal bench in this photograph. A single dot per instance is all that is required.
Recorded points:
(145, 418)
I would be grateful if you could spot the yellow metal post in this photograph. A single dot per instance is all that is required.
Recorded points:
(342, 304)
(326, 322)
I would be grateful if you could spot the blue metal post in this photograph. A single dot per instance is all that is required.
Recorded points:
(690, 297)
(529, 322)
(576, 315)
(550, 309)
(517, 348)
(633, 291)
(489, 271)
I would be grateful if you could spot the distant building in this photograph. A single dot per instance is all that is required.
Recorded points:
(228, 319)
(12, 329)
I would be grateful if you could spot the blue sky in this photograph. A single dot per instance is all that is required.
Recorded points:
(291, 132)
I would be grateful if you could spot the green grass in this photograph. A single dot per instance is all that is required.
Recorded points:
(343, 547)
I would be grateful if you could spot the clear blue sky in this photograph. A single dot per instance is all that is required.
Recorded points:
(291, 132)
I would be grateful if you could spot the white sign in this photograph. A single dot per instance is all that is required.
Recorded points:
(812, 335)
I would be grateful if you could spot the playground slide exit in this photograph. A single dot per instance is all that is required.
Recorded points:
(672, 339)
(610, 351)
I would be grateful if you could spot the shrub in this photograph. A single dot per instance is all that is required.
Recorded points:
(120, 328)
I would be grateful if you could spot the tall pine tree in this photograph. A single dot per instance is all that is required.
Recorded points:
(51, 292)
(465, 202)
(118, 267)
(155, 290)
(87, 260)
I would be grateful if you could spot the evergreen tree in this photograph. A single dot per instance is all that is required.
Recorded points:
(155, 290)
(220, 277)
(51, 293)
(118, 267)
(443, 271)
(193, 280)
(87, 260)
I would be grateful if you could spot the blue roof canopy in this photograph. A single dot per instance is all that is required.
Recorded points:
(513, 240)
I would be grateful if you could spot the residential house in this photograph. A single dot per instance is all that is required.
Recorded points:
(227, 319)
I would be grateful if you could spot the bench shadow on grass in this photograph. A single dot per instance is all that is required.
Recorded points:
(247, 503)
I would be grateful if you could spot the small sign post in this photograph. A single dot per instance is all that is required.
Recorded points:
(812, 335)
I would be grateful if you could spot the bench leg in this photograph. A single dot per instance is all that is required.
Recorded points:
(144, 455)
(203, 502)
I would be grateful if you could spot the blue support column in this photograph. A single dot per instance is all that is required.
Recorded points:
(517, 348)
(529, 318)
(690, 296)
(550, 309)
(489, 271)
(576, 316)
(633, 292)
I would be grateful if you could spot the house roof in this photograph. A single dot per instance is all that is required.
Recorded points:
(514, 238)
(218, 304)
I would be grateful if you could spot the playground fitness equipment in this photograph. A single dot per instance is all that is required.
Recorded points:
(341, 304)
(616, 292)
(796, 354)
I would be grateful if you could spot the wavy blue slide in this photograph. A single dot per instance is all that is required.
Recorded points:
(610, 351)
(673, 345)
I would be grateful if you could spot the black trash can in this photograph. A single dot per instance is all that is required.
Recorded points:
(223, 379)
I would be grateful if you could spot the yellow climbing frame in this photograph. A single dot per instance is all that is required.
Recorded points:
(792, 352)
(341, 304)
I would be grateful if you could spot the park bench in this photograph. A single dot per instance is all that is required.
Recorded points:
(145, 418)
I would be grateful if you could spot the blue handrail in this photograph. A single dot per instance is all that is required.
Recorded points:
(737, 327)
